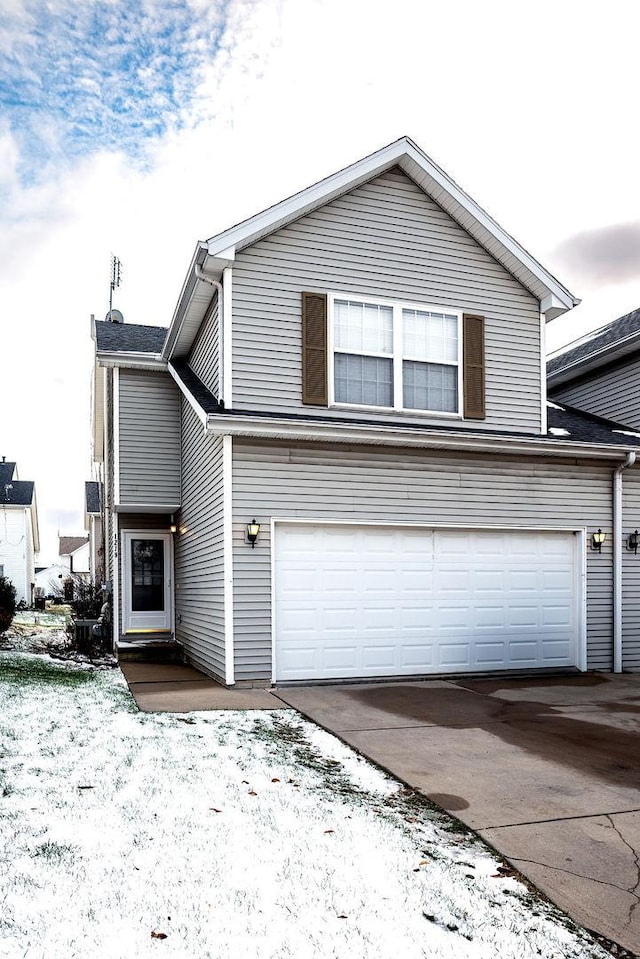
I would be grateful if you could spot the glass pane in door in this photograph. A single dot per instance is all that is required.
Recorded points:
(147, 575)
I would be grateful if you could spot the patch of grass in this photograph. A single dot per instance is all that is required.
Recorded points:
(54, 852)
(27, 670)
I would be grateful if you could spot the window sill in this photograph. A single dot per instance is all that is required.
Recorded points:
(430, 414)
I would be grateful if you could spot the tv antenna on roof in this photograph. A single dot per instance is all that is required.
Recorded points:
(116, 278)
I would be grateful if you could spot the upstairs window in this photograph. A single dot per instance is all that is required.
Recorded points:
(392, 356)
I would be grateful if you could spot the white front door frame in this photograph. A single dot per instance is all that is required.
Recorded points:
(138, 623)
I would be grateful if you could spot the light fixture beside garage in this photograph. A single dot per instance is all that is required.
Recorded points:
(597, 539)
(253, 530)
(632, 541)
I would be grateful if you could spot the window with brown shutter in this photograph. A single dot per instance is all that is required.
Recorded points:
(473, 366)
(314, 349)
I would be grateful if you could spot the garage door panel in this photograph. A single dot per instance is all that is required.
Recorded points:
(385, 601)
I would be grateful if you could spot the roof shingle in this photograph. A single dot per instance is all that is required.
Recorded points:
(608, 336)
(69, 544)
(16, 492)
(129, 338)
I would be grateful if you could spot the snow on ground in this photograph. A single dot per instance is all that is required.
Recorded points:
(230, 835)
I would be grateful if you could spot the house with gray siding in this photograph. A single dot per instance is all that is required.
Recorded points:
(339, 461)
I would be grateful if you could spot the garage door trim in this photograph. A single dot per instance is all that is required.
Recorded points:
(580, 533)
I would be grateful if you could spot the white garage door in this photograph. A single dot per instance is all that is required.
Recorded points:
(356, 601)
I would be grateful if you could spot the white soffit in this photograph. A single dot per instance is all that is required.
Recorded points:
(555, 298)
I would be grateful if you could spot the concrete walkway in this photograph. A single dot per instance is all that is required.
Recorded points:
(173, 688)
(545, 770)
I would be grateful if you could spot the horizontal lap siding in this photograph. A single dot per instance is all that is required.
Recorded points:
(614, 394)
(149, 425)
(631, 572)
(315, 483)
(203, 358)
(199, 549)
(385, 239)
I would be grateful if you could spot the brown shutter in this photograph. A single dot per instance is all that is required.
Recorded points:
(314, 349)
(473, 366)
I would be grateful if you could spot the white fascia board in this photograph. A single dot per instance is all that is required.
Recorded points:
(195, 299)
(255, 427)
(437, 184)
(200, 413)
(131, 361)
(146, 507)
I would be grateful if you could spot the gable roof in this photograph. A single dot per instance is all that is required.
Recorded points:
(69, 544)
(213, 255)
(92, 497)
(16, 493)
(610, 342)
(128, 338)
(6, 472)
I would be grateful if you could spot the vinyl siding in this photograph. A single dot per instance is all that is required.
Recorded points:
(630, 572)
(384, 239)
(199, 549)
(318, 482)
(16, 553)
(149, 439)
(614, 394)
(203, 358)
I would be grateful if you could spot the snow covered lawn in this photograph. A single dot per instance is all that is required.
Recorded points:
(235, 834)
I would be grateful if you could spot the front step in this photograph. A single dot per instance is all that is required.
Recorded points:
(152, 648)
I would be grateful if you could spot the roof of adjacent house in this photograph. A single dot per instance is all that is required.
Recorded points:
(128, 338)
(16, 493)
(609, 342)
(69, 544)
(6, 472)
(92, 496)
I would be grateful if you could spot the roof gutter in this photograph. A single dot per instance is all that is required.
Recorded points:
(258, 427)
(217, 285)
(617, 559)
(131, 360)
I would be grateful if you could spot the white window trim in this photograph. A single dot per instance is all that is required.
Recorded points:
(397, 357)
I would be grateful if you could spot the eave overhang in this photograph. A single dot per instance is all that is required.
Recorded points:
(593, 361)
(131, 361)
(257, 427)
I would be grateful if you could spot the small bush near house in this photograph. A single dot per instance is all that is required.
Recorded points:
(87, 600)
(7, 603)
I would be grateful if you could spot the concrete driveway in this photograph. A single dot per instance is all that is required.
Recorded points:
(546, 770)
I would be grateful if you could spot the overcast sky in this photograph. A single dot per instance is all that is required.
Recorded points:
(141, 127)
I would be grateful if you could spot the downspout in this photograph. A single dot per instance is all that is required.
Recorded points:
(617, 560)
(217, 286)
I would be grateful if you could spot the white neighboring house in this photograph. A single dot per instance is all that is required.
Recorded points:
(50, 580)
(19, 538)
(74, 555)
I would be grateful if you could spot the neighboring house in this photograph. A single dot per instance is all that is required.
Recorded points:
(19, 537)
(359, 371)
(93, 525)
(601, 372)
(73, 554)
(50, 580)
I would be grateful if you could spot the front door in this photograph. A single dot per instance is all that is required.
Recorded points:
(146, 570)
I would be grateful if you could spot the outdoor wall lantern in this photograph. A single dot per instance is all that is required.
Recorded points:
(172, 526)
(253, 529)
(597, 539)
(632, 541)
